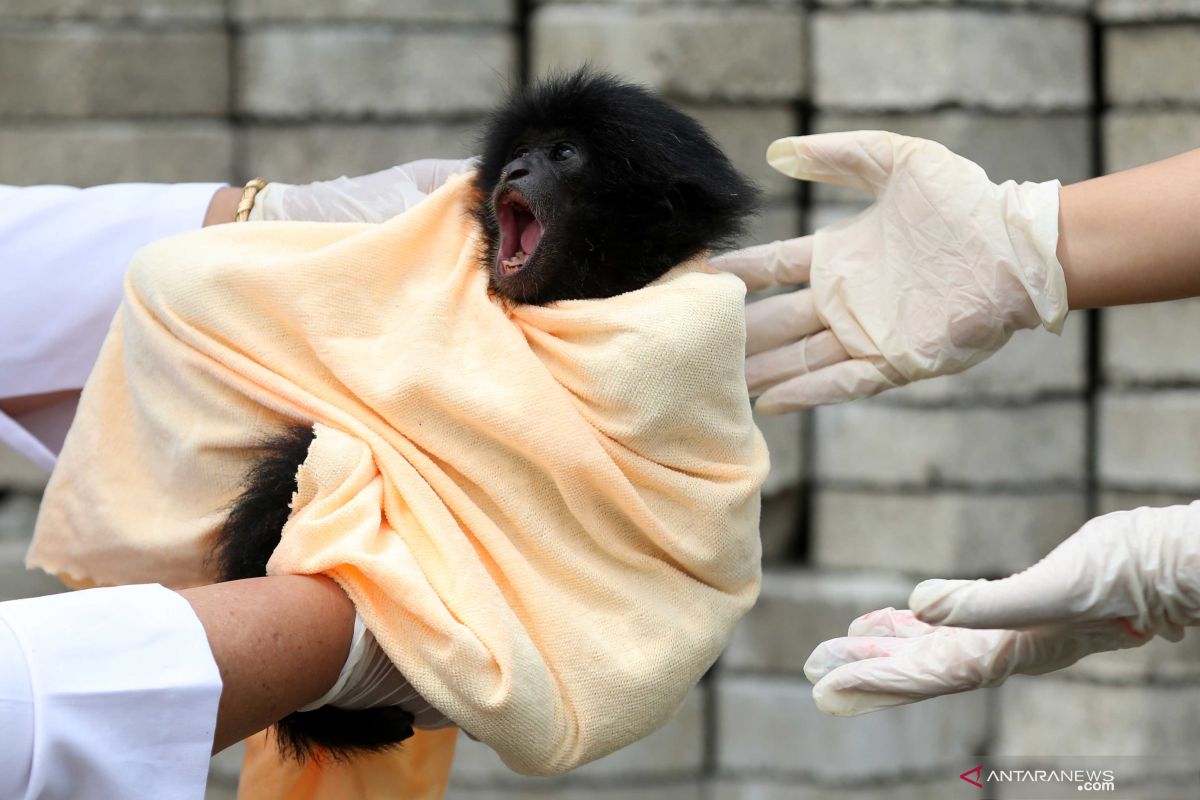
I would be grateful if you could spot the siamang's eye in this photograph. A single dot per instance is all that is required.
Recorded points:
(520, 151)
(562, 151)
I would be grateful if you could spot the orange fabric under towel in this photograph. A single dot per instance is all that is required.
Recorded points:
(547, 516)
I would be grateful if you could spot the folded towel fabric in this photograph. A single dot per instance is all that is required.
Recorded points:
(548, 516)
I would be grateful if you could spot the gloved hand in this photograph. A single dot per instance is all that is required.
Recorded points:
(1119, 581)
(369, 198)
(932, 278)
(369, 680)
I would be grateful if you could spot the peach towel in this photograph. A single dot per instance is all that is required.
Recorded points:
(548, 516)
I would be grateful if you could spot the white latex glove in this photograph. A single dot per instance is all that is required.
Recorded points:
(369, 198)
(369, 680)
(1119, 581)
(932, 278)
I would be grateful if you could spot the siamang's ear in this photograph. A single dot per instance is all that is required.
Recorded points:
(664, 210)
(681, 199)
(691, 198)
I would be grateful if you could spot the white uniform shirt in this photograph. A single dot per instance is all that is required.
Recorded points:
(113, 692)
(63, 252)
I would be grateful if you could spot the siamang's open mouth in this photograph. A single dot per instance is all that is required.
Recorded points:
(520, 233)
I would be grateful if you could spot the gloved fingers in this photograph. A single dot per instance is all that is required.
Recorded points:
(798, 358)
(857, 159)
(373, 198)
(889, 622)
(840, 701)
(786, 262)
(946, 661)
(428, 174)
(842, 381)
(774, 321)
(376, 197)
(425, 175)
(835, 653)
(858, 687)
(876, 634)
(964, 657)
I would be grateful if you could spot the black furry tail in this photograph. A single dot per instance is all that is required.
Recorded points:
(245, 542)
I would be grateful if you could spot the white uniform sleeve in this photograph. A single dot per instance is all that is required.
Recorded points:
(63, 253)
(105, 693)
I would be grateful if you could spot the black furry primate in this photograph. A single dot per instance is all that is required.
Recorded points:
(588, 187)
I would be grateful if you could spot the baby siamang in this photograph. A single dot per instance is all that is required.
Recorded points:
(588, 187)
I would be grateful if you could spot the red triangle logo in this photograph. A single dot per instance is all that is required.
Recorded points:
(977, 772)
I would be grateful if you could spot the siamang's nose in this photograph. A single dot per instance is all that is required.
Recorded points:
(518, 168)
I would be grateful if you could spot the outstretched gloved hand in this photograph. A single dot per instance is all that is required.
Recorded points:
(932, 278)
(1119, 581)
(369, 198)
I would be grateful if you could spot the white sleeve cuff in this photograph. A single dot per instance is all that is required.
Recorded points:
(125, 692)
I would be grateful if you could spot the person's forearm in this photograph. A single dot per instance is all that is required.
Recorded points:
(279, 643)
(1133, 236)
(223, 207)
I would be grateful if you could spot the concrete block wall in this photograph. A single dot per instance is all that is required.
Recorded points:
(973, 475)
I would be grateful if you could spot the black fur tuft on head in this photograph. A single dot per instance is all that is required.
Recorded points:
(656, 190)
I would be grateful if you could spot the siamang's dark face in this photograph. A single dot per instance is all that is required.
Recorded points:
(589, 187)
(534, 208)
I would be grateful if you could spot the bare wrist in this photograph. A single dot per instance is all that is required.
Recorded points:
(223, 206)
(1131, 237)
